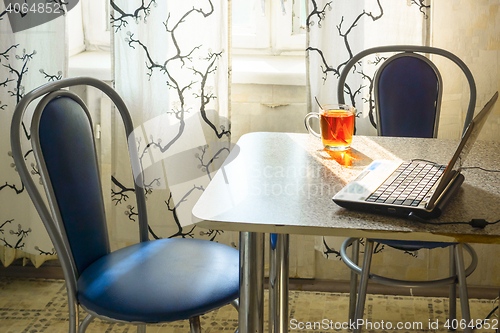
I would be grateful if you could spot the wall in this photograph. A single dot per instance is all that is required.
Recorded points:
(471, 30)
(267, 108)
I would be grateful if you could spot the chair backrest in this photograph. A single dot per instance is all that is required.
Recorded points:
(408, 90)
(63, 144)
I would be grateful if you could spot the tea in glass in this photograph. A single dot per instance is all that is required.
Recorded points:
(336, 126)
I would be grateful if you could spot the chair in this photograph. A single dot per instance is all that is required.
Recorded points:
(408, 89)
(149, 282)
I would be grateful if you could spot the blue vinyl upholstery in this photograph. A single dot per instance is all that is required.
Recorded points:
(407, 96)
(68, 147)
(412, 245)
(151, 282)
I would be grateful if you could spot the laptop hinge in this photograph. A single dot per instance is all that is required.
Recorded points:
(453, 185)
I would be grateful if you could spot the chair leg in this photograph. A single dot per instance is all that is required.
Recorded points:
(85, 323)
(363, 284)
(452, 299)
(141, 328)
(236, 304)
(354, 280)
(462, 286)
(194, 324)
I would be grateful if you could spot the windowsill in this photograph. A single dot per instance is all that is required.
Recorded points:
(246, 69)
(274, 70)
(96, 64)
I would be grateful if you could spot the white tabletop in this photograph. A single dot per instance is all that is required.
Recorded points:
(284, 183)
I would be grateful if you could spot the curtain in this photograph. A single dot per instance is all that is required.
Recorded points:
(28, 59)
(172, 67)
(337, 30)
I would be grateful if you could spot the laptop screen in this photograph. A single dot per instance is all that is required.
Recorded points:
(463, 148)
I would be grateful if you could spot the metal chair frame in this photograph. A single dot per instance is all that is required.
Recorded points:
(52, 219)
(456, 267)
(457, 272)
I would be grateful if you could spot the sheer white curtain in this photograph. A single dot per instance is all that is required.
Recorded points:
(172, 67)
(28, 59)
(337, 30)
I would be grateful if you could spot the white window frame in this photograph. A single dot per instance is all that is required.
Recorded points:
(88, 32)
(285, 38)
(261, 38)
(274, 31)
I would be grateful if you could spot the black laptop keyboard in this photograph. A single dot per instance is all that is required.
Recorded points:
(408, 185)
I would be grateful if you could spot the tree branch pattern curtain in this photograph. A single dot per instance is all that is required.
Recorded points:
(171, 65)
(28, 59)
(337, 30)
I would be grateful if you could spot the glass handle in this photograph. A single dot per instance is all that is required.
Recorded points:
(308, 123)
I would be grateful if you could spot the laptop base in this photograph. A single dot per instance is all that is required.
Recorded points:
(406, 211)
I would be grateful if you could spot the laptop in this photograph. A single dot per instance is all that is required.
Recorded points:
(411, 188)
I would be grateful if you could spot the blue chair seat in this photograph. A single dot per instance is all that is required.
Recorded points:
(412, 245)
(147, 282)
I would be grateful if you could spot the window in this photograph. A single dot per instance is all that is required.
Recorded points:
(268, 26)
(89, 26)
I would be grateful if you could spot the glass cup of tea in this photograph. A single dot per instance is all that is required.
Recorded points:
(336, 125)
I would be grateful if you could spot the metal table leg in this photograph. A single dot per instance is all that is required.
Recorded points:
(462, 286)
(278, 283)
(363, 284)
(453, 287)
(353, 287)
(251, 307)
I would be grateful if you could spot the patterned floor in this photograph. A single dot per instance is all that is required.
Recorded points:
(37, 305)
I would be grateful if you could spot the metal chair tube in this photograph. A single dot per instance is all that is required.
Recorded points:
(194, 324)
(407, 284)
